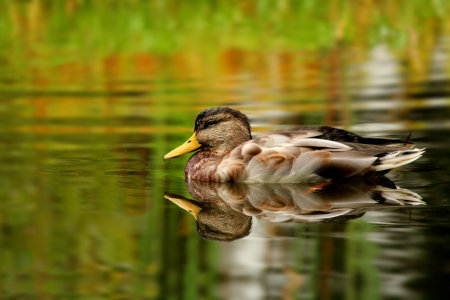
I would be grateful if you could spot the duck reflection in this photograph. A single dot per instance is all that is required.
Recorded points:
(224, 211)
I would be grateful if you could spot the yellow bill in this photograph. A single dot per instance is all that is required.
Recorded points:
(190, 145)
(184, 204)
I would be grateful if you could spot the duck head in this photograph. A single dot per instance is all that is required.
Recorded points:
(217, 130)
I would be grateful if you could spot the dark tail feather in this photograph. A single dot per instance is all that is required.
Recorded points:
(340, 135)
(381, 141)
(408, 138)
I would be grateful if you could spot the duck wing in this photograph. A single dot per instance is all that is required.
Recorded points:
(334, 134)
(303, 155)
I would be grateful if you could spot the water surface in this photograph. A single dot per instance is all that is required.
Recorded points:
(83, 213)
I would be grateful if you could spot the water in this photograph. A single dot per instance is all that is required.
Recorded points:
(84, 210)
(83, 213)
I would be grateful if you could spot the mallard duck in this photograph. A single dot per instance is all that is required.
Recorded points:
(227, 152)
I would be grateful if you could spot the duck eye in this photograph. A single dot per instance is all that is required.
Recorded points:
(210, 123)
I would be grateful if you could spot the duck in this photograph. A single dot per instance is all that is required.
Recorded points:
(226, 151)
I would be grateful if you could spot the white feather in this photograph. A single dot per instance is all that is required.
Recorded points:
(319, 143)
(398, 158)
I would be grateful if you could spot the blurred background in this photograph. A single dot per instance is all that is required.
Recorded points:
(94, 93)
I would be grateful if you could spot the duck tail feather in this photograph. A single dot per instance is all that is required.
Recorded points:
(398, 158)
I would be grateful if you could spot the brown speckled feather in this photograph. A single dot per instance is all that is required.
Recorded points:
(292, 156)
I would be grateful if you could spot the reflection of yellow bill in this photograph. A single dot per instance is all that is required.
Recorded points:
(190, 145)
(184, 204)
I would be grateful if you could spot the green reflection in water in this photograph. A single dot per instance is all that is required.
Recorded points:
(93, 222)
(94, 93)
(363, 270)
(37, 34)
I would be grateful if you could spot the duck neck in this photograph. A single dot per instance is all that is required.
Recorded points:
(229, 144)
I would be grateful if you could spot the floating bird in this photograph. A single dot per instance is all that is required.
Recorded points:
(227, 152)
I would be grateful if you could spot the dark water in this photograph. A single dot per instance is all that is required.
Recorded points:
(92, 95)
